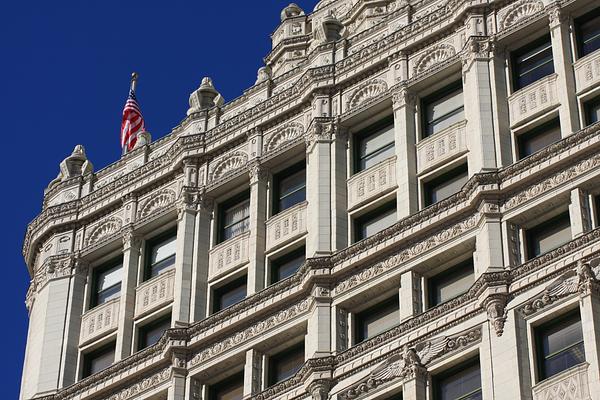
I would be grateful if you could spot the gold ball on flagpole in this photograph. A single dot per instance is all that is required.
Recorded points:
(134, 76)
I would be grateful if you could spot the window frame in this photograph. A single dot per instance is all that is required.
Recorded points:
(453, 271)
(107, 266)
(272, 362)
(228, 382)
(535, 132)
(276, 263)
(429, 185)
(86, 369)
(438, 378)
(382, 306)
(546, 38)
(222, 209)
(364, 134)
(278, 178)
(143, 330)
(538, 333)
(541, 227)
(218, 292)
(588, 106)
(152, 243)
(446, 90)
(369, 216)
(590, 15)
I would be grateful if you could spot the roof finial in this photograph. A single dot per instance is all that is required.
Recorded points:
(134, 78)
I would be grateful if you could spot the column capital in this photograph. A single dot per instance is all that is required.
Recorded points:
(188, 202)
(477, 48)
(319, 389)
(257, 172)
(252, 132)
(402, 97)
(131, 239)
(321, 130)
(555, 15)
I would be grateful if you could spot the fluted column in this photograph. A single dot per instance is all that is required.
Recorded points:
(406, 154)
(478, 100)
(579, 212)
(186, 223)
(563, 66)
(318, 186)
(253, 373)
(258, 215)
(204, 217)
(131, 256)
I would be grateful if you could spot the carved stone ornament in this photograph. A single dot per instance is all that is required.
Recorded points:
(319, 390)
(367, 92)
(230, 163)
(477, 48)
(286, 134)
(555, 15)
(520, 11)
(157, 202)
(104, 229)
(402, 96)
(495, 307)
(76, 164)
(257, 172)
(433, 56)
(142, 385)
(131, 240)
(321, 129)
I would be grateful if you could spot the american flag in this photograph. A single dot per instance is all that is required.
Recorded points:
(132, 123)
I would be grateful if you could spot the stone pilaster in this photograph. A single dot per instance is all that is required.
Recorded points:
(318, 335)
(563, 66)
(478, 103)
(339, 328)
(318, 186)
(589, 308)
(131, 259)
(414, 386)
(258, 215)
(499, 94)
(339, 190)
(406, 155)
(410, 295)
(579, 212)
(204, 217)
(253, 373)
(489, 252)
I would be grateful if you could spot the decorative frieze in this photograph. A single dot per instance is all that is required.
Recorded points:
(154, 293)
(442, 147)
(571, 384)
(587, 72)
(366, 92)
(519, 11)
(286, 226)
(156, 202)
(99, 321)
(229, 255)
(533, 100)
(372, 183)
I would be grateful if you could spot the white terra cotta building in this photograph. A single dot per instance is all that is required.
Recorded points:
(405, 205)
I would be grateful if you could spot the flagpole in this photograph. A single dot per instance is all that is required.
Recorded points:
(134, 78)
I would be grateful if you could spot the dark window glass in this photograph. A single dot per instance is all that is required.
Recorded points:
(451, 283)
(290, 187)
(532, 62)
(374, 144)
(161, 255)
(234, 217)
(106, 283)
(229, 389)
(151, 333)
(460, 383)
(98, 360)
(284, 365)
(443, 109)
(548, 235)
(377, 319)
(445, 185)
(286, 266)
(592, 111)
(375, 221)
(560, 345)
(538, 138)
(229, 294)
(588, 32)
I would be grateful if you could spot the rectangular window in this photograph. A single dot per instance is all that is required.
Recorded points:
(375, 221)
(592, 111)
(106, 282)
(229, 389)
(98, 360)
(548, 235)
(560, 345)
(377, 319)
(229, 294)
(459, 383)
(443, 109)
(151, 333)
(451, 283)
(374, 144)
(161, 254)
(445, 185)
(234, 217)
(289, 187)
(538, 138)
(287, 265)
(532, 62)
(587, 29)
(284, 365)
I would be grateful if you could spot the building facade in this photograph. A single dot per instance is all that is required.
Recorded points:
(405, 205)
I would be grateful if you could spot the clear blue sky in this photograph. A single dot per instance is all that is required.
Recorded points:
(65, 68)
